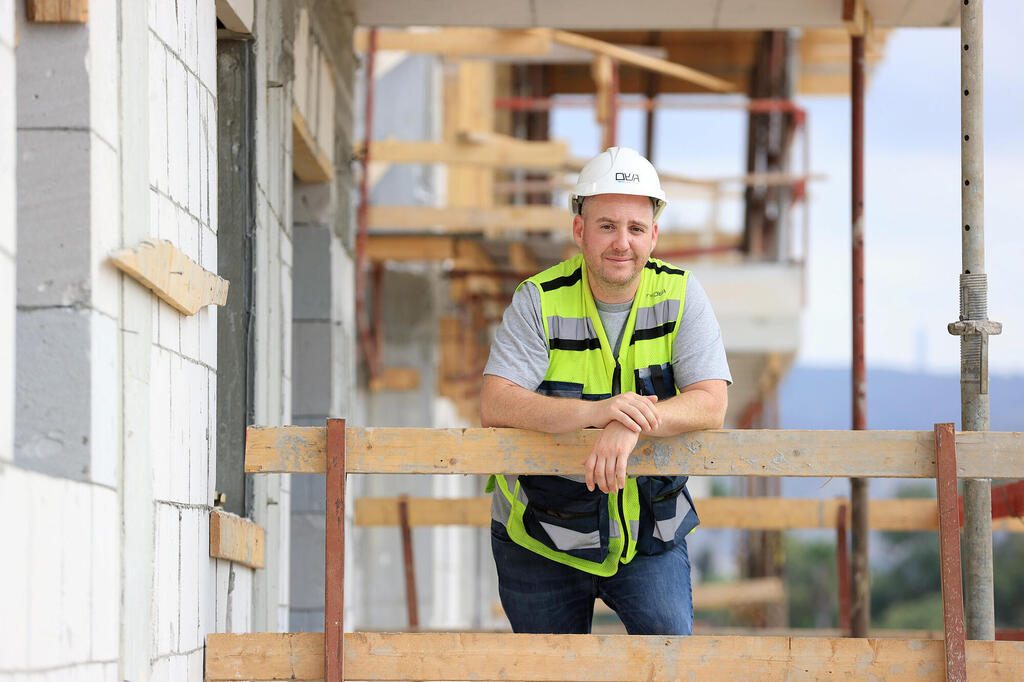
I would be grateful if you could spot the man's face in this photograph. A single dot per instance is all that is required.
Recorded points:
(616, 233)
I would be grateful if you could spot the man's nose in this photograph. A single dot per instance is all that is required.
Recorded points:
(621, 240)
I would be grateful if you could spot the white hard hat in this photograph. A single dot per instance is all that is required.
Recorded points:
(618, 170)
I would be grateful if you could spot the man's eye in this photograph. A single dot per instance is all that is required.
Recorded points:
(607, 227)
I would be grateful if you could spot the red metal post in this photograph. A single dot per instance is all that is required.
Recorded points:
(366, 340)
(410, 565)
(843, 570)
(861, 611)
(949, 548)
(334, 555)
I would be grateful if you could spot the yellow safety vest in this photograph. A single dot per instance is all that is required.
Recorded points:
(557, 517)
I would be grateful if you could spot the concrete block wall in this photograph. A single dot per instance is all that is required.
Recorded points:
(58, 492)
(182, 128)
(8, 229)
(61, 610)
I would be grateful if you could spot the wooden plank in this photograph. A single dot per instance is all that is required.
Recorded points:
(57, 11)
(236, 539)
(597, 658)
(396, 379)
(749, 513)
(237, 15)
(954, 627)
(309, 162)
(473, 111)
(173, 276)
(469, 219)
(886, 454)
(332, 645)
(458, 42)
(400, 247)
(711, 596)
(628, 56)
(507, 154)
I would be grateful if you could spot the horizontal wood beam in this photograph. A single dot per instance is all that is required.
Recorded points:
(458, 42)
(508, 153)
(741, 452)
(625, 55)
(57, 11)
(236, 539)
(749, 513)
(597, 658)
(405, 247)
(469, 219)
(396, 379)
(165, 269)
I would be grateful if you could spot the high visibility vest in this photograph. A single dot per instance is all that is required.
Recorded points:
(557, 517)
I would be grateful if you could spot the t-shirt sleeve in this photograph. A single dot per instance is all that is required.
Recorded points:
(698, 353)
(519, 351)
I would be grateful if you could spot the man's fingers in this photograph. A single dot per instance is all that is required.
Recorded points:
(620, 469)
(609, 475)
(588, 469)
(627, 421)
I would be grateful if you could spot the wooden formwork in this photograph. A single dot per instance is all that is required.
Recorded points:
(335, 655)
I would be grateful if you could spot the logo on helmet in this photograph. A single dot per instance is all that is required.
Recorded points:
(627, 177)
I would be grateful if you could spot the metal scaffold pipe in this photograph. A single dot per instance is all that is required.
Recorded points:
(860, 614)
(973, 326)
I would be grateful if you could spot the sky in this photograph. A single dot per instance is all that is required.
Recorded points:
(912, 195)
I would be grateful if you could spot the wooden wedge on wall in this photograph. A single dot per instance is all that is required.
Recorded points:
(173, 276)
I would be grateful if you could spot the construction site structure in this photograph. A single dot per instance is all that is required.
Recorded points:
(221, 214)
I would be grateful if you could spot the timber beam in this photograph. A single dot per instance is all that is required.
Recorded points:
(490, 150)
(596, 658)
(469, 219)
(742, 452)
(750, 513)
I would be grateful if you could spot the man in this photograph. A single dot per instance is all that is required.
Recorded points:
(617, 340)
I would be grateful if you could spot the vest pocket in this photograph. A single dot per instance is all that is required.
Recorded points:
(563, 518)
(657, 380)
(560, 389)
(666, 513)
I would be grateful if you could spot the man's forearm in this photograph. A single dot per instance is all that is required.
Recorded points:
(505, 404)
(693, 410)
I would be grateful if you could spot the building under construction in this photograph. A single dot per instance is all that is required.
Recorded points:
(227, 226)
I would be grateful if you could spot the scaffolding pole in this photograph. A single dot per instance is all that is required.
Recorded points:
(974, 326)
(860, 614)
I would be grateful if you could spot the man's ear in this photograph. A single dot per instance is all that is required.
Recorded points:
(577, 230)
(654, 235)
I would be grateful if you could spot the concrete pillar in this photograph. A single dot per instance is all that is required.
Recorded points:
(323, 366)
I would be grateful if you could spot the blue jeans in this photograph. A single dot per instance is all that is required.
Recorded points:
(650, 594)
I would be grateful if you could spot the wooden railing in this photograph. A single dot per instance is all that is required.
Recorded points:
(335, 656)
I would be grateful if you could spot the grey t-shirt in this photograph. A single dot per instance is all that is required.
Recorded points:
(519, 351)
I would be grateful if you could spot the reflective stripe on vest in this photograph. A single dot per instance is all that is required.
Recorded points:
(581, 365)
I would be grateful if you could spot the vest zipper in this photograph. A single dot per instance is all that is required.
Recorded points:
(617, 379)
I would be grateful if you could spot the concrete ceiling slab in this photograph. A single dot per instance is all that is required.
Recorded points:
(616, 14)
(651, 14)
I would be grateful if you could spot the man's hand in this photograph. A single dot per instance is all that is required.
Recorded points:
(606, 464)
(635, 412)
